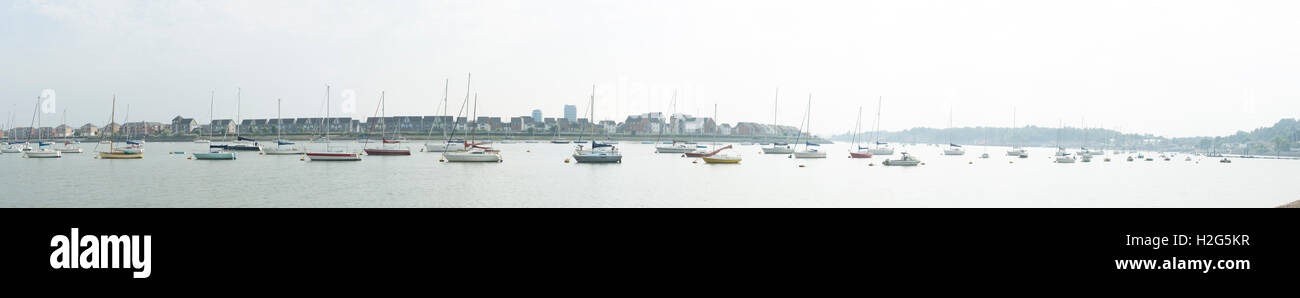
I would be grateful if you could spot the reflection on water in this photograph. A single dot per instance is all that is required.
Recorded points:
(535, 175)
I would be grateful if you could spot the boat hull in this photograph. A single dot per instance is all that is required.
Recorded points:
(859, 155)
(805, 154)
(598, 158)
(777, 150)
(121, 155)
(215, 156)
(448, 147)
(12, 151)
(661, 149)
(471, 157)
(243, 148)
(721, 160)
(273, 151)
(697, 154)
(334, 156)
(881, 151)
(44, 154)
(954, 152)
(71, 150)
(901, 163)
(388, 152)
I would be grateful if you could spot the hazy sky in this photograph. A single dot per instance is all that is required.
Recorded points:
(1173, 68)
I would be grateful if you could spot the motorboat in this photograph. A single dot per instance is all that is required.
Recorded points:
(954, 149)
(905, 160)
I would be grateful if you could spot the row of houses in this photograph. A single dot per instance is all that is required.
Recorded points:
(644, 124)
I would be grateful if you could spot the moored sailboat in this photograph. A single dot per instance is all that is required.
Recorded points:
(385, 149)
(473, 152)
(598, 153)
(723, 156)
(808, 149)
(113, 153)
(881, 148)
(330, 153)
(281, 147)
(858, 151)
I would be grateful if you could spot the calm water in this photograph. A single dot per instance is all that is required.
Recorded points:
(534, 175)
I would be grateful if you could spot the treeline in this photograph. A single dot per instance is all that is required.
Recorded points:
(1279, 138)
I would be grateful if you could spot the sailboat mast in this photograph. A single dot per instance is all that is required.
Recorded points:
(879, 104)
(469, 79)
(212, 99)
(35, 114)
(239, 103)
(323, 121)
(279, 121)
(857, 127)
(112, 116)
(446, 85)
(475, 117)
(775, 107)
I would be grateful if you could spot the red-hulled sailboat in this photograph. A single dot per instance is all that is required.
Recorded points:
(385, 149)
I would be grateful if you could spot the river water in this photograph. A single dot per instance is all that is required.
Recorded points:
(535, 175)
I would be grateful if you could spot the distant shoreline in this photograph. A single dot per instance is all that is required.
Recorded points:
(1295, 204)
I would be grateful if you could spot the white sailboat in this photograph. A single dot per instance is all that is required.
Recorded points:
(42, 149)
(676, 146)
(808, 150)
(1016, 151)
(212, 99)
(72, 146)
(597, 153)
(448, 145)
(777, 147)
(880, 148)
(282, 147)
(473, 152)
(953, 149)
(1061, 155)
